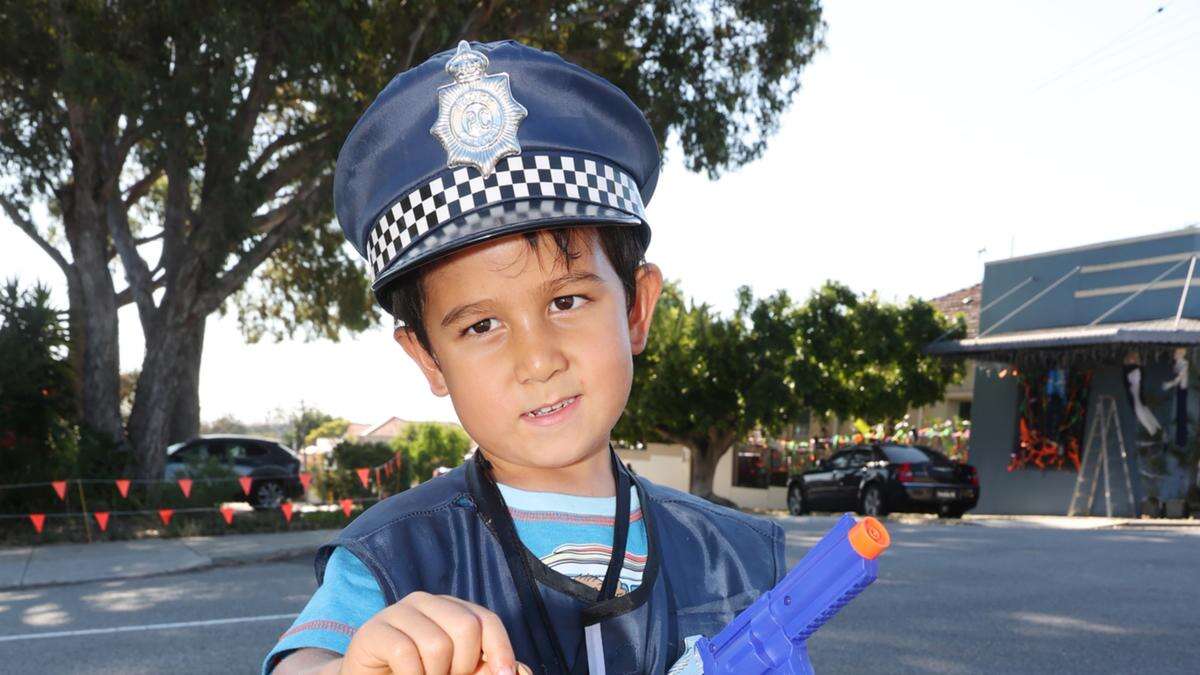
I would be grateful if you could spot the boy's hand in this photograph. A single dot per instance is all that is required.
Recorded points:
(431, 635)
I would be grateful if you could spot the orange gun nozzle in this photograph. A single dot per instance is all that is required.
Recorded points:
(869, 538)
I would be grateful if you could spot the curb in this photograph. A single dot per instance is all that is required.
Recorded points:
(188, 554)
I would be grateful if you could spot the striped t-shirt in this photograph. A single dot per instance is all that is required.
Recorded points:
(570, 534)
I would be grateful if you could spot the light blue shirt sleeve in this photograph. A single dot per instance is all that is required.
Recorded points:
(348, 597)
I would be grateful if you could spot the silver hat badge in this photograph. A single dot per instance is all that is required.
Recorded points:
(477, 116)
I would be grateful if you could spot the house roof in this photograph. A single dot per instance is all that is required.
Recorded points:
(389, 428)
(1005, 346)
(355, 429)
(964, 301)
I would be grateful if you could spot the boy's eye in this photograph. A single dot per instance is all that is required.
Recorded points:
(479, 327)
(565, 302)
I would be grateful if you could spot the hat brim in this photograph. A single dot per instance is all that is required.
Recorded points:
(496, 221)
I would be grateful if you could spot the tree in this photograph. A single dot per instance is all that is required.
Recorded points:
(38, 433)
(428, 445)
(705, 381)
(300, 423)
(334, 428)
(859, 357)
(194, 143)
(226, 424)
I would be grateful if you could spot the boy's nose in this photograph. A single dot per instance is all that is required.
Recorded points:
(538, 356)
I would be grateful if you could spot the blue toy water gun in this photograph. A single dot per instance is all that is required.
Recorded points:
(768, 637)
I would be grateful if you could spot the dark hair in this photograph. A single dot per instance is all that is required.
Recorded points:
(625, 248)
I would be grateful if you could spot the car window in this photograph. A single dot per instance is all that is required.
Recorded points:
(195, 453)
(840, 460)
(859, 458)
(235, 451)
(905, 454)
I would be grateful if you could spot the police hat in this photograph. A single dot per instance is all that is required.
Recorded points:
(487, 140)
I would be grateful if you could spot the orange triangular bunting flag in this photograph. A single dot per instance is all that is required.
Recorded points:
(245, 482)
(286, 507)
(185, 484)
(38, 519)
(123, 486)
(166, 514)
(347, 505)
(227, 514)
(364, 475)
(102, 519)
(60, 488)
(305, 479)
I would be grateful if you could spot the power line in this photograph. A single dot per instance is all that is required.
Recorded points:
(1131, 37)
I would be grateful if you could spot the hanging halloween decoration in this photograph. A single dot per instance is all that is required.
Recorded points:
(1133, 392)
(1051, 422)
(1179, 384)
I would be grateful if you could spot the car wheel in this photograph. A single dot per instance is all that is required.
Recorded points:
(872, 502)
(266, 494)
(795, 501)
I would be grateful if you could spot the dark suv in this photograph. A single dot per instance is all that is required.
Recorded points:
(274, 468)
(879, 478)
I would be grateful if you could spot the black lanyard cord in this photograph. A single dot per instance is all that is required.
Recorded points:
(496, 516)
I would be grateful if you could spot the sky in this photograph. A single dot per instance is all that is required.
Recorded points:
(928, 138)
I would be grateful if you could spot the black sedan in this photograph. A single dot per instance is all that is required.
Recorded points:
(877, 479)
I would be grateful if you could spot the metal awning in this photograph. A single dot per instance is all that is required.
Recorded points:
(1164, 332)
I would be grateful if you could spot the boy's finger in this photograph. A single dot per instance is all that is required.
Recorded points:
(497, 649)
(460, 623)
(379, 648)
(435, 647)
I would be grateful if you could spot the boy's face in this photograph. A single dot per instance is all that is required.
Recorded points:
(514, 330)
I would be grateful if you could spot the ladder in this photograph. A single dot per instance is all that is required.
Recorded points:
(1105, 420)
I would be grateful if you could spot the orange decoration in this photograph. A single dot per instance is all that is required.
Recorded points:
(305, 479)
(185, 484)
(286, 507)
(102, 519)
(347, 505)
(245, 481)
(39, 520)
(227, 514)
(60, 487)
(123, 486)
(364, 475)
(166, 514)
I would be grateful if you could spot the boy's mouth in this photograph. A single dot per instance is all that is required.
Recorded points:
(551, 412)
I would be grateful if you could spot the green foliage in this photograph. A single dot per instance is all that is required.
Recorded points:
(705, 381)
(339, 480)
(226, 424)
(859, 357)
(301, 422)
(704, 376)
(39, 439)
(429, 445)
(334, 428)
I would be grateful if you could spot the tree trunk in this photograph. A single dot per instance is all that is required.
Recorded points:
(185, 419)
(703, 467)
(93, 325)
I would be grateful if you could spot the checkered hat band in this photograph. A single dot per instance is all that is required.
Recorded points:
(521, 177)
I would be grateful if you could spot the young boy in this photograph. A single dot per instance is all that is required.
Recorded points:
(509, 244)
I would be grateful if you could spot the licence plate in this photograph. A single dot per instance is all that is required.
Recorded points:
(946, 494)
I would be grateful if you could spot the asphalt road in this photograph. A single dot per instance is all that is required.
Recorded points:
(949, 599)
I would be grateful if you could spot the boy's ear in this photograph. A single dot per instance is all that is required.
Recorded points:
(424, 360)
(649, 285)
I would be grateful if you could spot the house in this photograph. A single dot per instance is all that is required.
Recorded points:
(1077, 358)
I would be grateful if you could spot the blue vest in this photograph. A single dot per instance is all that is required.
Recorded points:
(705, 564)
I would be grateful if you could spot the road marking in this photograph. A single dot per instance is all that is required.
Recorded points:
(149, 626)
